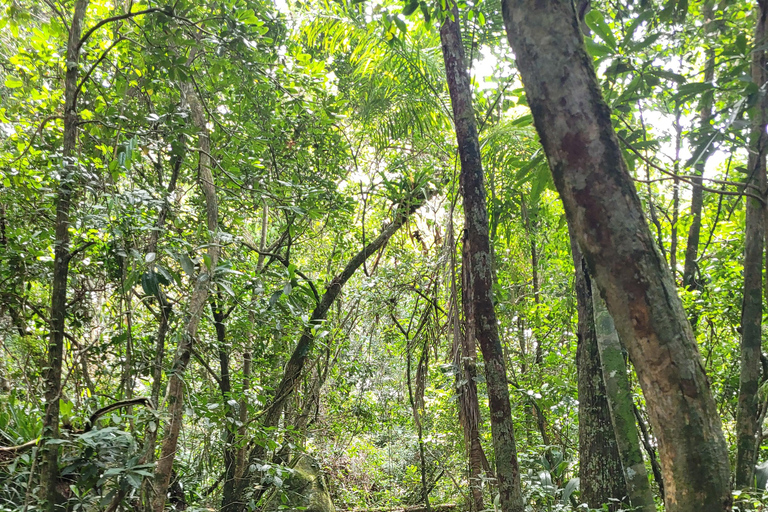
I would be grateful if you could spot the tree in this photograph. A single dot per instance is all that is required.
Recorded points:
(752, 302)
(600, 470)
(603, 208)
(481, 319)
(63, 255)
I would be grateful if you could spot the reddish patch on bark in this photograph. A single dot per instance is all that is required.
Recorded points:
(689, 388)
(574, 146)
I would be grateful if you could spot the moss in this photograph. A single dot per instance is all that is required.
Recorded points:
(305, 489)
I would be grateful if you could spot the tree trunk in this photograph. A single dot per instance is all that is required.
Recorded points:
(295, 364)
(465, 357)
(600, 470)
(482, 319)
(697, 193)
(605, 213)
(175, 392)
(621, 405)
(49, 471)
(752, 305)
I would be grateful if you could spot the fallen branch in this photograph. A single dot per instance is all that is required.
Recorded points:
(445, 507)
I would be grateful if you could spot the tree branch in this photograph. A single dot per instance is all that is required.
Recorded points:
(126, 16)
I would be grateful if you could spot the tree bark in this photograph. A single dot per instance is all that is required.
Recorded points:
(295, 365)
(603, 208)
(175, 392)
(465, 358)
(620, 403)
(600, 470)
(752, 302)
(50, 456)
(482, 319)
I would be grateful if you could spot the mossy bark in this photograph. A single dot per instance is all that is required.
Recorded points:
(600, 472)
(620, 403)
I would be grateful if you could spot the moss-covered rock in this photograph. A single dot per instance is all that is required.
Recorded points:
(304, 490)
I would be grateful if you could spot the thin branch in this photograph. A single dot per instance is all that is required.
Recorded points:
(285, 264)
(206, 366)
(126, 16)
(685, 179)
(92, 68)
(34, 136)
(80, 249)
(58, 13)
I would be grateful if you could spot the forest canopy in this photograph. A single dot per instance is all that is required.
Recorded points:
(380, 255)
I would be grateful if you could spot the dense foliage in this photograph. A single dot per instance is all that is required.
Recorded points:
(328, 122)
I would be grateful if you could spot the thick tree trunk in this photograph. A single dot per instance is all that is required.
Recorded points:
(482, 319)
(175, 392)
(295, 365)
(50, 457)
(600, 470)
(603, 208)
(620, 403)
(752, 305)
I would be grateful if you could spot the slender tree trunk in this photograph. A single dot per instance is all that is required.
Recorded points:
(600, 470)
(49, 471)
(175, 392)
(225, 387)
(752, 305)
(469, 408)
(697, 193)
(605, 213)
(295, 365)
(482, 319)
(620, 403)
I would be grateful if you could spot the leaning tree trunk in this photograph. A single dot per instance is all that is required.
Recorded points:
(236, 502)
(482, 316)
(175, 392)
(50, 457)
(602, 206)
(752, 302)
(600, 470)
(621, 405)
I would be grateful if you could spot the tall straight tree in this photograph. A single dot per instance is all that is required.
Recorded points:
(62, 255)
(697, 193)
(481, 317)
(752, 305)
(175, 393)
(604, 210)
(600, 470)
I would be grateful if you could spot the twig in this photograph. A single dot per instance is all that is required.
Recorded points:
(118, 18)
(34, 136)
(93, 67)
(285, 264)
(685, 179)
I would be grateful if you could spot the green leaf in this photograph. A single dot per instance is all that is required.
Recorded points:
(597, 50)
(187, 265)
(12, 82)
(401, 25)
(150, 284)
(410, 8)
(596, 22)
